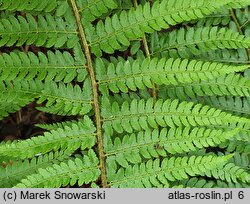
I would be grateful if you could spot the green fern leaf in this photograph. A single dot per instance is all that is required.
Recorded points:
(194, 41)
(92, 9)
(167, 105)
(118, 31)
(58, 66)
(64, 99)
(130, 75)
(156, 173)
(59, 98)
(230, 85)
(145, 114)
(218, 18)
(11, 102)
(238, 56)
(70, 138)
(80, 171)
(193, 183)
(152, 144)
(235, 105)
(231, 173)
(15, 171)
(47, 6)
(239, 146)
(61, 125)
(47, 31)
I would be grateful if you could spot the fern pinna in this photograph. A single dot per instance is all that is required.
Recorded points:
(157, 92)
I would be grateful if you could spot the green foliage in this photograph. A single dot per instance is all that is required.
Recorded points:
(34, 5)
(110, 35)
(80, 171)
(145, 114)
(148, 93)
(125, 76)
(218, 18)
(58, 66)
(47, 31)
(92, 9)
(64, 99)
(229, 85)
(18, 170)
(152, 144)
(235, 105)
(158, 173)
(193, 41)
(81, 134)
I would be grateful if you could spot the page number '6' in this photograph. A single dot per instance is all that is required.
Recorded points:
(241, 195)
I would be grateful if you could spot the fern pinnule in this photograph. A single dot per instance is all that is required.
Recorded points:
(66, 99)
(58, 66)
(149, 144)
(156, 173)
(15, 171)
(141, 115)
(80, 171)
(92, 9)
(47, 6)
(47, 31)
(228, 85)
(130, 75)
(80, 135)
(197, 40)
(235, 105)
(118, 31)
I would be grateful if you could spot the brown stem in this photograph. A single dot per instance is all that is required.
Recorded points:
(147, 52)
(90, 68)
(234, 17)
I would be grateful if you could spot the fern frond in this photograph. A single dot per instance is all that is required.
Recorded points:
(158, 173)
(218, 18)
(143, 73)
(222, 184)
(159, 90)
(69, 138)
(15, 171)
(193, 183)
(11, 102)
(145, 114)
(241, 160)
(119, 30)
(235, 105)
(152, 144)
(61, 99)
(237, 4)
(67, 99)
(92, 9)
(46, 31)
(238, 56)
(183, 42)
(80, 171)
(230, 85)
(230, 173)
(240, 146)
(55, 126)
(48, 6)
(58, 66)
(203, 183)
